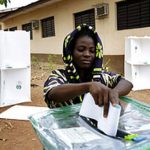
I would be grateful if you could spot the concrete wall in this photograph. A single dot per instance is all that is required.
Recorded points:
(112, 39)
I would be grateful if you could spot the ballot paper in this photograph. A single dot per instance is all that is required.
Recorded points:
(19, 112)
(108, 125)
(76, 137)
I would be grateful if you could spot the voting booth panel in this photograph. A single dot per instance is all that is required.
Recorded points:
(137, 50)
(15, 49)
(15, 85)
(15, 71)
(137, 63)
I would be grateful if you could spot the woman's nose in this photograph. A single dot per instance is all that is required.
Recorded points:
(86, 53)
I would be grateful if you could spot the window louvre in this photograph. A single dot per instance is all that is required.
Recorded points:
(48, 27)
(145, 13)
(87, 17)
(28, 27)
(133, 14)
(13, 29)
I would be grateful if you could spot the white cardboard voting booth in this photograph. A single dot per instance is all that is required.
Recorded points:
(15, 71)
(137, 61)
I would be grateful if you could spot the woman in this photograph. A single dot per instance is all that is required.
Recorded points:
(83, 58)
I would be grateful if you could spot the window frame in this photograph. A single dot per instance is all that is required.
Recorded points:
(133, 14)
(48, 27)
(28, 27)
(13, 28)
(84, 17)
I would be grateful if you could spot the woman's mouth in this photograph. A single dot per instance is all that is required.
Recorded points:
(86, 61)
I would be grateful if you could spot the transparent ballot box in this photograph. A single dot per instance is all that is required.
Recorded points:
(64, 129)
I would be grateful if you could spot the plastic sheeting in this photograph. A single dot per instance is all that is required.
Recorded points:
(64, 129)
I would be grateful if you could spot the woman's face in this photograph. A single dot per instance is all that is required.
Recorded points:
(84, 52)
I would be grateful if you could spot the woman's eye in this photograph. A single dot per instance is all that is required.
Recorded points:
(92, 50)
(81, 49)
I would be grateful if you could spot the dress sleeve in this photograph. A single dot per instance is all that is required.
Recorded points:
(110, 79)
(56, 78)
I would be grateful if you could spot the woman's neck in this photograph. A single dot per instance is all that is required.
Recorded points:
(85, 75)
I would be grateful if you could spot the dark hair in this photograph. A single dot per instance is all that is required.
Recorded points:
(85, 31)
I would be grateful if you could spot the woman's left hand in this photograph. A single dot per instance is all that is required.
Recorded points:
(114, 96)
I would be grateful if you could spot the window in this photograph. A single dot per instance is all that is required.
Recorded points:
(87, 17)
(28, 27)
(133, 14)
(13, 29)
(48, 27)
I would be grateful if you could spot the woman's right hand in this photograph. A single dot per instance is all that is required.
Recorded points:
(103, 95)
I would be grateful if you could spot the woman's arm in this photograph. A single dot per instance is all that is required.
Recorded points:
(122, 88)
(65, 92)
(101, 93)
